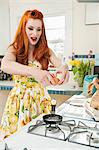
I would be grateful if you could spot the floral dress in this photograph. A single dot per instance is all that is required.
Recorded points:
(26, 101)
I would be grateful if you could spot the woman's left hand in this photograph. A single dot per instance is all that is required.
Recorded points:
(64, 78)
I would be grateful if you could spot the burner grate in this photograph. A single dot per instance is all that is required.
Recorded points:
(54, 129)
(85, 135)
(59, 131)
(70, 130)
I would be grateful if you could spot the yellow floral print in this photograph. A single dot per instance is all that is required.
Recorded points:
(26, 101)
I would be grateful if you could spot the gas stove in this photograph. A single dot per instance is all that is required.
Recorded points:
(69, 126)
(72, 130)
(71, 123)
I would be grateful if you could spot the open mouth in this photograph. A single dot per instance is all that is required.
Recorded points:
(34, 39)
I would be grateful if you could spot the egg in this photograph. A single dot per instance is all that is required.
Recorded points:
(54, 80)
(59, 75)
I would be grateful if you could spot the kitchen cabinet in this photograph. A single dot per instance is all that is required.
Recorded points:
(92, 14)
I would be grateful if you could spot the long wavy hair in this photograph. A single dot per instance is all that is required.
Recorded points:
(21, 44)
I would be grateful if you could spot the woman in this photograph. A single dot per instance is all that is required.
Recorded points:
(28, 58)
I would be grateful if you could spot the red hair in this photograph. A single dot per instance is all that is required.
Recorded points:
(21, 44)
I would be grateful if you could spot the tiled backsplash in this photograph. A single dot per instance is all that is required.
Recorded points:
(97, 59)
(84, 56)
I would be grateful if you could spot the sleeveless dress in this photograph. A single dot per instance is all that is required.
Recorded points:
(28, 99)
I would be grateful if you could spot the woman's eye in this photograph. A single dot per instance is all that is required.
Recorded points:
(30, 28)
(39, 29)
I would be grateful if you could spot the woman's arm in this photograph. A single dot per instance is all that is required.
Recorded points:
(63, 68)
(56, 61)
(9, 65)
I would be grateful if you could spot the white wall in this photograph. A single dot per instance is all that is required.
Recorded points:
(85, 37)
(4, 26)
(98, 39)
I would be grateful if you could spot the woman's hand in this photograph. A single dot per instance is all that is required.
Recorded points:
(44, 77)
(63, 70)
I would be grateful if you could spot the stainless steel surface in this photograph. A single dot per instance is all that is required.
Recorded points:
(77, 126)
(6, 147)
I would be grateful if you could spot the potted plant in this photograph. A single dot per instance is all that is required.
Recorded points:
(82, 68)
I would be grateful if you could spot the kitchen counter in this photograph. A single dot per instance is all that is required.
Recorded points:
(33, 142)
(69, 88)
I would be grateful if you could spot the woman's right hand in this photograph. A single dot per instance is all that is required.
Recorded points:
(42, 76)
(47, 79)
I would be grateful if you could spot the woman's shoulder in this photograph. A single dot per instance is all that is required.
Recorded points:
(50, 51)
(10, 54)
(11, 48)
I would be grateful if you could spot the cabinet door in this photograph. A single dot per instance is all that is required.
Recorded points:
(92, 14)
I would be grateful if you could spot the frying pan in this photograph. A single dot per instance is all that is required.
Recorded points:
(52, 119)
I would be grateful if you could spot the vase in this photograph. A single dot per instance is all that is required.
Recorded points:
(79, 79)
(80, 84)
(91, 71)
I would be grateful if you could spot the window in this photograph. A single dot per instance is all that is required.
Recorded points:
(55, 32)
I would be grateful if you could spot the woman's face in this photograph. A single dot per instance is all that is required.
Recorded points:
(33, 30)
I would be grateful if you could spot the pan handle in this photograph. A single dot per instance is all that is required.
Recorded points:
(53, 106)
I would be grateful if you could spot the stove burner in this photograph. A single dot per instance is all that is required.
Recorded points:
(57, 129)
(83, 134)
(53, 129)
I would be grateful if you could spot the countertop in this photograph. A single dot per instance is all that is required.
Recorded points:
(69, 88)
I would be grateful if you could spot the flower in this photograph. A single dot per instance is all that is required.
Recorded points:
(81, 68)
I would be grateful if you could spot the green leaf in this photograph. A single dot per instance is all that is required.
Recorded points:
(75, 70)
(32, 80)
(22, 109)
(42, 107)
(33, 117)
